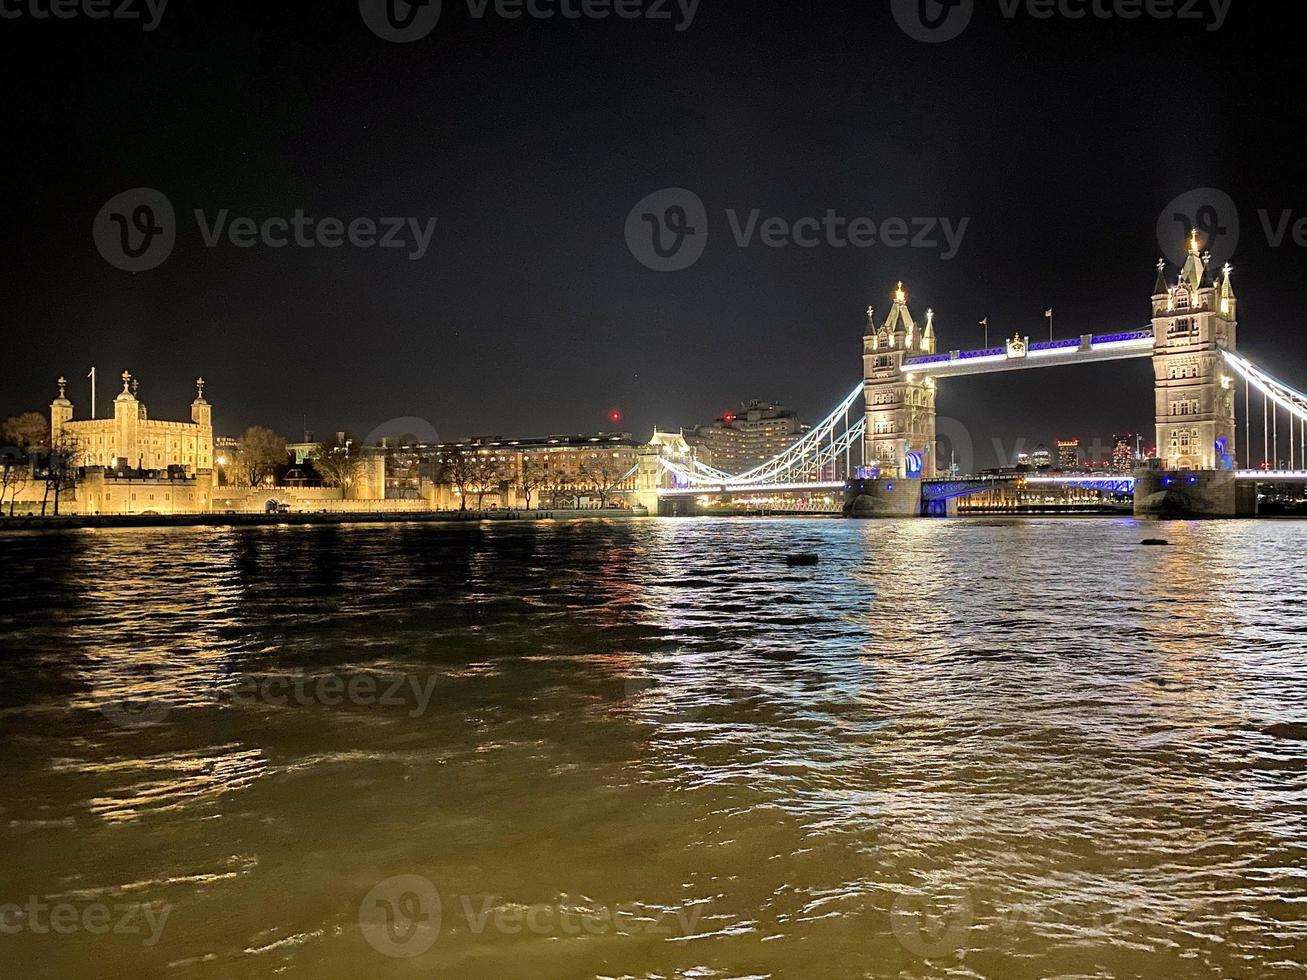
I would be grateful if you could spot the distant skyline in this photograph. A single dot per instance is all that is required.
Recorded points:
(512, 152)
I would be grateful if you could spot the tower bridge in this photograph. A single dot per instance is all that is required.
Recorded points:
(879, 445)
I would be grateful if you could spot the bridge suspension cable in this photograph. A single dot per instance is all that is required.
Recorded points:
(1282, 397)
(824, 451)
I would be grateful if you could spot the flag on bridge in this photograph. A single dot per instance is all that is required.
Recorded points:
(1049, 313)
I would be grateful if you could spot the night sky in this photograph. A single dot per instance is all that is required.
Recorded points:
(1059, 141)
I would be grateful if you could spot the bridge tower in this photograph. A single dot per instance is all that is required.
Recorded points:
(1193, 319)
(900, 438)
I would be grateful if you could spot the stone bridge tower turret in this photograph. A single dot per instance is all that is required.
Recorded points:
(900, 438)
(1193, 320)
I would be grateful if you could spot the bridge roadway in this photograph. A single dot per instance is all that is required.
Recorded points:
(1088, 349)
(943, 488)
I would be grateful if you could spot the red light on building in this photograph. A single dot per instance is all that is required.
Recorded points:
(728, 418)
(614, 416)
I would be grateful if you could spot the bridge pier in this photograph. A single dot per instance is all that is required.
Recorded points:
(1186, 494)
(1245, 499)
(883, 497)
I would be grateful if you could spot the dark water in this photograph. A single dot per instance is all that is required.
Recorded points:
(1010, 748)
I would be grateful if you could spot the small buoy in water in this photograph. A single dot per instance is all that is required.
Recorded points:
(805, 558)
(1157, 543)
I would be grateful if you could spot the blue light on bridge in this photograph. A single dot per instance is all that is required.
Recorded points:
(1116, 338)
(1056, 345)
(914, 464)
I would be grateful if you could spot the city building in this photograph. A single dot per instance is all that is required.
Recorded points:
(1068, 454)
(1041, 458)
(1123, 452)
(559, 471)
(738, 442)
(131, 439)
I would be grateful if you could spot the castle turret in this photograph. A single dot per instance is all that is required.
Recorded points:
(202, 416)
(61, 411)
(127, 421)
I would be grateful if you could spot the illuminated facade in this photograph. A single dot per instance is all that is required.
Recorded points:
(1068, 454)
(131, 439)
(738, 443)
(900, 407)
(1192, 320)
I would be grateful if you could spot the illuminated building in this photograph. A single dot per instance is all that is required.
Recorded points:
(131, 439)
(1123, 454)
(738, 442)
(1041, 458)
(1068, 454)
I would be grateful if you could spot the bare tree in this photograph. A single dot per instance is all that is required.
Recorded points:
(27, 431)
(534, 475)
(336, 460)
(604, 475)
(260, 454)
(457, 471)
(60, 470)
(487, 476)
(559, 483)
(15, 473)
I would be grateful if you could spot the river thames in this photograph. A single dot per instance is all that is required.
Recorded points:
(1011, 748)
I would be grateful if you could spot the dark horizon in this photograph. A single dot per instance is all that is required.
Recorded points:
(1058, 142)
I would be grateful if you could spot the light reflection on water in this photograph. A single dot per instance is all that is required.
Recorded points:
(1004, 748)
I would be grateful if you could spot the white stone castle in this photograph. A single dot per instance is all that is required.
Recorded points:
(133, 440)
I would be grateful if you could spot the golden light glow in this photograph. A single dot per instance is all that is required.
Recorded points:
(1193, 243)
(900, 294)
